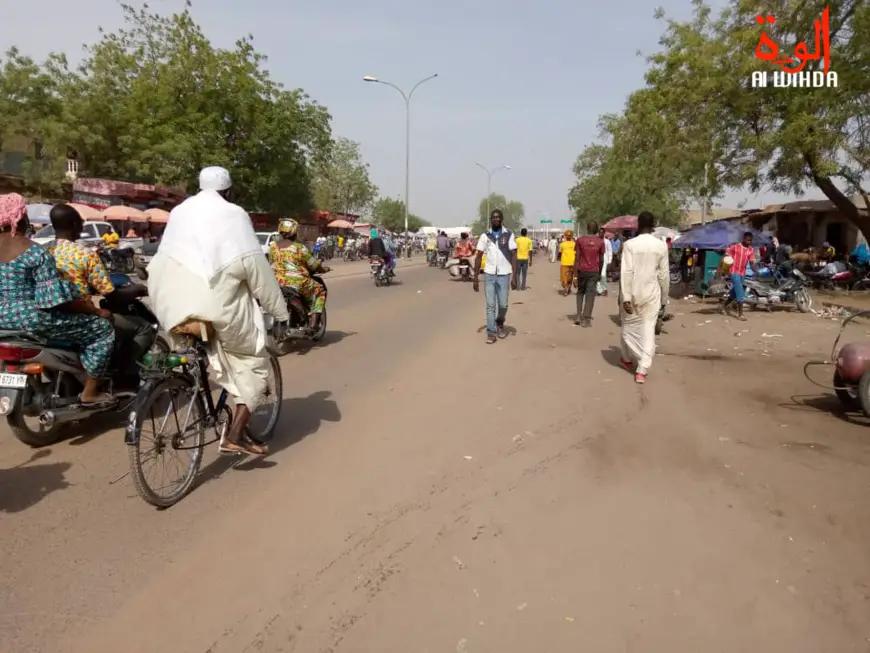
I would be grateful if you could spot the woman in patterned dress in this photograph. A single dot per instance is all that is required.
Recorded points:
(293, 265)
(34, 299)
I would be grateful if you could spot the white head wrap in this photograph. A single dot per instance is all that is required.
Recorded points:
(214, 178)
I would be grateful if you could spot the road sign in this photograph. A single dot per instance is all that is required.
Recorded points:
(566, 221)
(546, 221)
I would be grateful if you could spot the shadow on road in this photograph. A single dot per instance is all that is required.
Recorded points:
(611, 355)
(300, 417)
(508, 329)
(302, 347)
(825, 403)
(25, 485)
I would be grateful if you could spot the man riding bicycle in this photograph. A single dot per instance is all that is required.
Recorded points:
(293, 265)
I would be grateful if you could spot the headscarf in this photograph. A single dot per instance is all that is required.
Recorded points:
(288, 226)
(374, 234)
(13, 208)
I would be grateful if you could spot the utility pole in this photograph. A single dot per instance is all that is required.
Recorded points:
(704, 198)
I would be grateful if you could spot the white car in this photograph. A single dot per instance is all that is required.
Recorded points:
(92, 233)
(266, 238)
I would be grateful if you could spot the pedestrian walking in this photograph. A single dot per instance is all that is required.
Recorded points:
(524, 257)
(567, 257)
(741, 254)
(499, 247)
(551, 248)
(605, 263)
(590, 251)
(644, 283)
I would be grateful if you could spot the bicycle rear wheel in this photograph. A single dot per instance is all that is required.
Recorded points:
(265, 417)
(168, 424)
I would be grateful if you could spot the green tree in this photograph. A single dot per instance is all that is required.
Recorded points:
(341, 182)
(698, 107)
(514, 213)
(390, 214)
(30, 129)
(155, 102)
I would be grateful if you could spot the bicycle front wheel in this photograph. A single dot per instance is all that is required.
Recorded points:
(167, 429)
(265, 417)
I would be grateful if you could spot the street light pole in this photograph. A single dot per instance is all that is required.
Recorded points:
(489, 174)
(407, 98)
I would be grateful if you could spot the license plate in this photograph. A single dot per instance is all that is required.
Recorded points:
(13, 380)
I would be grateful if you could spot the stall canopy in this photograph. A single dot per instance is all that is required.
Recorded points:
(720, 235)
(87, 212)
(622, 223)
(340, 224)
(120, 212)
(38, 213)
(157, 216)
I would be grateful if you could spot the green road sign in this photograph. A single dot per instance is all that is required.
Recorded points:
(546, 221)
(566, 221)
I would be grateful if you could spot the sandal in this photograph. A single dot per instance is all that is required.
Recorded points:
(242, 448)
(103, 399)
(628, 366)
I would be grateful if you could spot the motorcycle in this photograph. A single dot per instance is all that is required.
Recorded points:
(380, 273)
(42, 379)
(441, 260)
(118, 259)
(300, 318)
(460, 269)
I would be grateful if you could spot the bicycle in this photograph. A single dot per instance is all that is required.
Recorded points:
(183, 375)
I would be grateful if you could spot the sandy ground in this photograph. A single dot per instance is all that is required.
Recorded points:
(427, 492)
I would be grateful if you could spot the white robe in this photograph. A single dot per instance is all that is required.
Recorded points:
(210, 267)
(644, 283)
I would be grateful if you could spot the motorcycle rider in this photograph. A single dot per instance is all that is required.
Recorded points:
(210, 274)
(83, 267)
(293, 265)
(464, 252)
(378, 248)
(443, 243)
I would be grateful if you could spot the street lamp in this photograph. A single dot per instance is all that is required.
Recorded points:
(489, 174)
(407, 97)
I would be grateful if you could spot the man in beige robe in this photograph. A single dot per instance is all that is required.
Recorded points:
(644, 284)
(210, 268)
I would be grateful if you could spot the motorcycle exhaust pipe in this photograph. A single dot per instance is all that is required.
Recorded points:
(49, 418)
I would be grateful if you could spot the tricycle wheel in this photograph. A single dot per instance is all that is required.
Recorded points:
(864, 393)
(847, 394)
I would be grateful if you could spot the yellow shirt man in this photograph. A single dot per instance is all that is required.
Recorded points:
(524, 248)
(111, 239)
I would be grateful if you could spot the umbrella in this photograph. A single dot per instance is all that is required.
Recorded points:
(720, 235)
(340, 224)
(157, 216)
(124, 213)
(87, 212)
(665, 232)
(622, 223)
(38, 213)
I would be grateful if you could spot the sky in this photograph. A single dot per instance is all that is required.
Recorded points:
(519, 83)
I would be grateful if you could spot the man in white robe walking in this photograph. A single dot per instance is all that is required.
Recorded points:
(210, 268)
(644, 284)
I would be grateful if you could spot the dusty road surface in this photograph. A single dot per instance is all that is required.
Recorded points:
(427, 492)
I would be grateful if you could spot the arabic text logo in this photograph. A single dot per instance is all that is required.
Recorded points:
(792, 66)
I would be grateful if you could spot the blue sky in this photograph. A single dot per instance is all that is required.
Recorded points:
(519, 83)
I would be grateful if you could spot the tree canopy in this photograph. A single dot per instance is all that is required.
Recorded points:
(514, 213)
(390, 214)
(698, 107)
(155, 101)
(341, 180)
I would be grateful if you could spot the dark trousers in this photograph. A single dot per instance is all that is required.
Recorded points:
(133, 338)
(586, 291)
(522, 273)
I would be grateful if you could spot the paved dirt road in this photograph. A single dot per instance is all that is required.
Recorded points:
(429, 493)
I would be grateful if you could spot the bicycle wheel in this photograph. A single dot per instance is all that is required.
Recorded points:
(168, 423)
(265, 417)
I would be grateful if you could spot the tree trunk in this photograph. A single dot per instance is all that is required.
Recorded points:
(840, 200)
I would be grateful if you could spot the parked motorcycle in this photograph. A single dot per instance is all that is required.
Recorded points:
(380, 273)
(300, 318)
(793, 290)
(41, 380)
